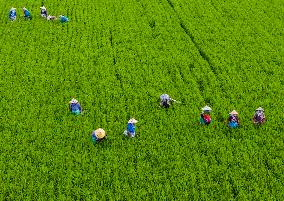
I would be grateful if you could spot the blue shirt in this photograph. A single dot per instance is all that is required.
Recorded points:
(64, 19)
(27, 13)
(130, 128)
(12, 14)
(75, 106)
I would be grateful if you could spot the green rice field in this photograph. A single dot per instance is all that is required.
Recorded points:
(117, 57)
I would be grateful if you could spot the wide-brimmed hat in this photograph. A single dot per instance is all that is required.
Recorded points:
(42, 7)
(100, 133)
(132, 121)
(207, 108)
(13, 8)
(260, 109)
(73, 100)
(234, 112)
(164, 96)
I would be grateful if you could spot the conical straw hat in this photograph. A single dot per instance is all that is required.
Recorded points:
(73, 100)
(132, 121)
(100, 133)
(206, 108)
(259, 109)
(234, 112)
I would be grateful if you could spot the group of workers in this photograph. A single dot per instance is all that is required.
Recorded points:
(43, 13)
(205, 118)
(165, 101)
(233, 119)
(99, 134)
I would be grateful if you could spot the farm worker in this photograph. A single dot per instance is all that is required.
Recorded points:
(63, 19)
(259, 117)
(98, 135)
(166, 100)
(75, 107)
(233, 120)
(27, 14)
(12, 14)
(43, 12)
(205, 115)
(51, 17)
(130, 131)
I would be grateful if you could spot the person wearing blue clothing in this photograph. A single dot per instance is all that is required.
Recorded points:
(130, 131)
(98, 135)
(75, 107)
(63, 19)
(12, 14)
(27, 14)
(43, 12)
(233, 120)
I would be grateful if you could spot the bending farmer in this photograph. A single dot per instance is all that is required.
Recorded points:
(205, 118)
(75, 107)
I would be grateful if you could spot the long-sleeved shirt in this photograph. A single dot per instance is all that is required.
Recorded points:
(131, 128)
(12, 14)
(27, 13)
(75, 106)
(233, 118)
(206, 118)
(259, 117)
(43, 12)
(64, 19)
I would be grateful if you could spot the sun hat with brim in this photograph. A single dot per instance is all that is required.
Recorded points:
(206, 108)
(73, 100)
(260, 109)
(42, 7)
(13, 8)
(132, 121)
(234, 112)
(100, 133)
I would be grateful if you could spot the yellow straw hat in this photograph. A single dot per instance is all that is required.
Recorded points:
(234, 112)
(100, 133)
(260, 109)
(73, 101)
(132, 121)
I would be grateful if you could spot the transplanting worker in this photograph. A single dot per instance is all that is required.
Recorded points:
(259, 117)
(12, 14)
(205, 118)
(166, 100)
(63, 19)
(98, 135)
(233, 120)
(51, 17)
(43, 12)
(27, 14)
(75, 107)
(130, 131)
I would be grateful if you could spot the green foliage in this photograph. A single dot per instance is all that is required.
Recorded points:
(117, 58)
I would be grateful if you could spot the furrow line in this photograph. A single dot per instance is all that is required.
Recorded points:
(202, 53)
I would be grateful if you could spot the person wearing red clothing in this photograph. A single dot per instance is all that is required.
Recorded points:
(205, 118)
